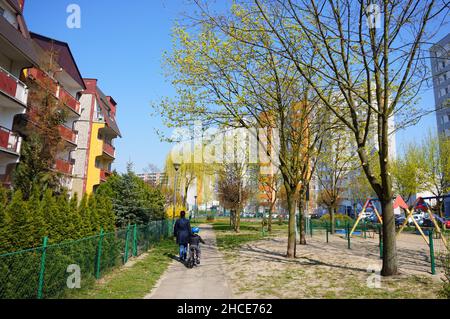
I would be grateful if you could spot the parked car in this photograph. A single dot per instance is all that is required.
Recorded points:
(417, 217)
(399, 220)
(427, 223)
(447, 223)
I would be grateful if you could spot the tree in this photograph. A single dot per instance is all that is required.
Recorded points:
(271, 185)
(376, 73)
(227, 83)
(134, 201)
(18, 226)
(336, 162)
(84, 215)
(435, 176)
(52, 217)
(234, 190)
(407, 172)
(42, 140)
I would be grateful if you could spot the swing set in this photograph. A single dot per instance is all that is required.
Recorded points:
(367, 205)
(419, 204)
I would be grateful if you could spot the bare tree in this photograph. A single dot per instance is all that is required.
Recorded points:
(376, 65)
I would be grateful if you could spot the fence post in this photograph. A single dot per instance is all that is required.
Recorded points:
(364, 229)
(310, 226)
(125, 255)
(380, 241)
(348, 235)
(433, 264)
(42, 270)
(99, 254)
(134, 240)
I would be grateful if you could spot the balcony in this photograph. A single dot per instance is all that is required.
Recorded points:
(42, 79)
(104, 174)
(13, 87)
(68, 134)
(64, 166)
(109, 149)
(69, 100)
(9, 140)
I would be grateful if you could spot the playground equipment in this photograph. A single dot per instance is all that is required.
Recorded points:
(420, 204)
(368, 204)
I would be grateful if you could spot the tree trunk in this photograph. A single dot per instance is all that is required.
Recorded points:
(390, 262)
(237, 227)
(440, 206)
(269, 222)
(302, 221)
(332, 211)
(291, 227)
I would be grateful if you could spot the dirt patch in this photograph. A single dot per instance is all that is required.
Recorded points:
(329, 270)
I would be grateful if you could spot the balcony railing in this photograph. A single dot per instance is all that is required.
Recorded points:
(109, 149)
(43, 80)
(104, 174)
(67, 134)
(64, 166)
(57, 90)
(69, 100)
(13, 87)
(9, 140)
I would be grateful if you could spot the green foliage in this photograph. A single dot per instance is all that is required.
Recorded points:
(337, 217)
(133, 201)
(24, 222)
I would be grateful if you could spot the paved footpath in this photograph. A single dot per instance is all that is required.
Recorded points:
(206, 281)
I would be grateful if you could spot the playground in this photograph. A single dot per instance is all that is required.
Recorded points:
(259, 269)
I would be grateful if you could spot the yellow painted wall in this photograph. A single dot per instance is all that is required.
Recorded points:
(96, 149)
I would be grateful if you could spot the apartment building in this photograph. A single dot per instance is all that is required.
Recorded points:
(155, 179)
(65, 84)
(16, 54)
(440, 68)
(97, 129)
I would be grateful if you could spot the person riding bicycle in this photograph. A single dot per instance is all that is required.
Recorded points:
(194, 243)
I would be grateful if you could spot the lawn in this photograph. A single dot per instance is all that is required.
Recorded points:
(132, 281)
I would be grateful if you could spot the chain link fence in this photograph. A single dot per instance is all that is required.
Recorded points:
(49, 271)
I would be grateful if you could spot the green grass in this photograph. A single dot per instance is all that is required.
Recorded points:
(249, 231)
(134, 282)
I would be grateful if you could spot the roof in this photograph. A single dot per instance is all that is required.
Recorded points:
(19, 38)
(65, 57)
(104, 105)
(15, 4)
(102, 101)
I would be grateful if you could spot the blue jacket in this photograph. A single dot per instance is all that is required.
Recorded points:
(182, 231)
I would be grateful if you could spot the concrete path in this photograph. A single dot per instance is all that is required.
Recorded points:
(206, 281)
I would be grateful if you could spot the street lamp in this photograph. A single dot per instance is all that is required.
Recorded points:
(176, 166)
(196, 208)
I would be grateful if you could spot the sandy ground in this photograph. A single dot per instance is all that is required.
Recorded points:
(206, 281)
(260, 270)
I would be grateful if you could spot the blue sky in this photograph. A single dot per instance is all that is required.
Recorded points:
(121, 43)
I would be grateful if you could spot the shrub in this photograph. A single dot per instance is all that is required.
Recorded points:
(337, 217)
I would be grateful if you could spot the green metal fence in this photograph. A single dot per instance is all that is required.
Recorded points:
(44, 272)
